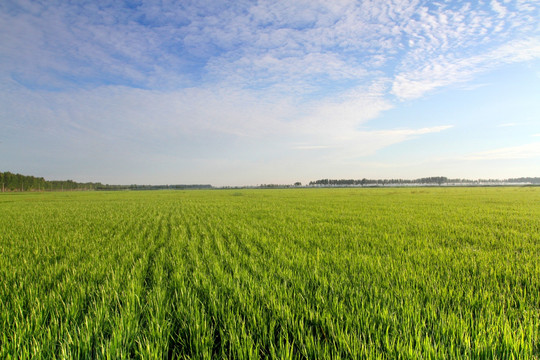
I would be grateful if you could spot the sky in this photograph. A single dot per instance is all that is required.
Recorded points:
(259, 92)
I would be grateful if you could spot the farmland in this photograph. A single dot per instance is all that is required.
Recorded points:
(290, 273)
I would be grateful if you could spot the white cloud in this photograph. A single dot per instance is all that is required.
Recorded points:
(408, 132)
(499, 9)
(371, 141)
(311, 147)
(354, 145)
(299, 45)
(341, 118)
(202, 122)
(444, 71)
(526, 151)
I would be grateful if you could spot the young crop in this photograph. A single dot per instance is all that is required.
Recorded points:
(290, 274)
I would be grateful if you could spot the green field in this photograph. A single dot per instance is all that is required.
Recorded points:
(295, 273)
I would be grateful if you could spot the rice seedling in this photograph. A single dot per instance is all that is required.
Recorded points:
(289, 274)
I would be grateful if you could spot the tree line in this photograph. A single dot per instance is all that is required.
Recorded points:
(434, 180)
(16, 182)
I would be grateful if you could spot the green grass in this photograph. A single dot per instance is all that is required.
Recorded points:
(295, 273)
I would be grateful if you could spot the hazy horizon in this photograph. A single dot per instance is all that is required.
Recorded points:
(254, 92)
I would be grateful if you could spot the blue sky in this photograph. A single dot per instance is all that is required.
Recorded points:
(252, 92)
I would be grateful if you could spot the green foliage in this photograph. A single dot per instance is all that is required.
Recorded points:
(294, 273)
(17, 182)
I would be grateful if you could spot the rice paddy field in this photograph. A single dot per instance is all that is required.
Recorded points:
(410, 273)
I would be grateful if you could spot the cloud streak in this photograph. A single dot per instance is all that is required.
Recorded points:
(526, 151)
(443, 71)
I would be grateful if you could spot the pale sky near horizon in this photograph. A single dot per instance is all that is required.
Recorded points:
(253, 92)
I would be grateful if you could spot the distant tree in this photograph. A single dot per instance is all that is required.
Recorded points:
(298, 183)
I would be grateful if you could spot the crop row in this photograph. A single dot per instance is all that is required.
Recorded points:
(293, 273)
